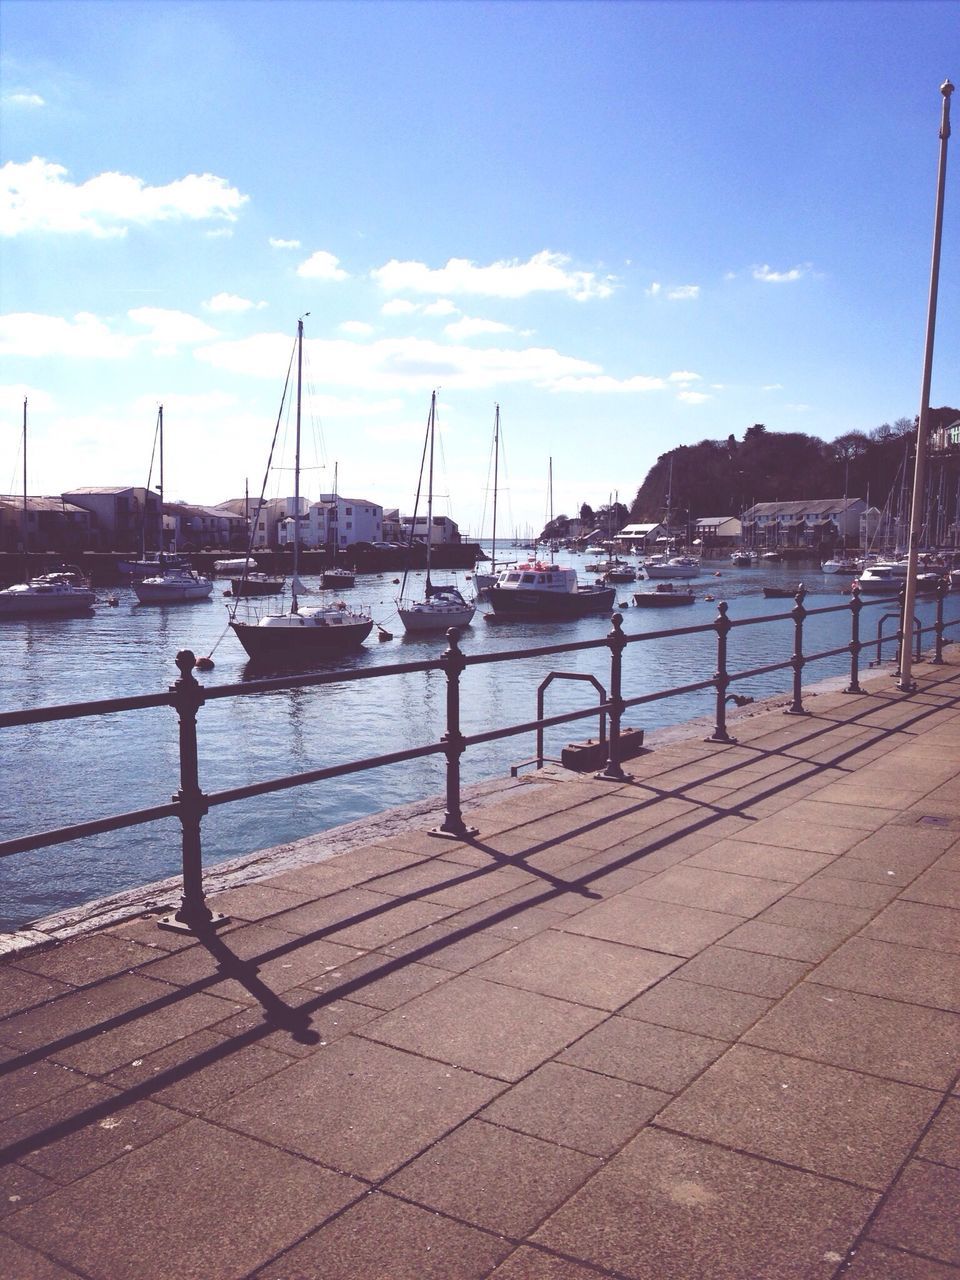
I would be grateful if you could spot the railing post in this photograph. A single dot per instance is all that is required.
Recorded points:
(798, 613)
(722, 625)
(856, 604)
(453, 826)
(937, 659)
(194, 916)
(617, 641)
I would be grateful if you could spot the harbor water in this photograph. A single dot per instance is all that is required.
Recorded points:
(78, 770)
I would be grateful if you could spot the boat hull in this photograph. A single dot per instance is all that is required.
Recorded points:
(303, 640)
(257, 586)
(662, 599)
(337, 578)
(427, 617)
(47, 603)
(177, 593)
(672, 569)
(551, 605)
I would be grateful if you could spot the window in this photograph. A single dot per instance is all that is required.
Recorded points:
(529, 577)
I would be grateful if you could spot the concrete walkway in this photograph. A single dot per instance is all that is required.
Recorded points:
(703, 1025)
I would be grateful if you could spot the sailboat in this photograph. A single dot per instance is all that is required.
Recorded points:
(484, 581)
(170, 580)
(301, 634)
(441, 606)
(52, 593)
(843, 563)
(153, 562)
(336, 575)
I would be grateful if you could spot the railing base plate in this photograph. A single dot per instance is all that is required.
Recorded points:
(173, 925)
(466, 833)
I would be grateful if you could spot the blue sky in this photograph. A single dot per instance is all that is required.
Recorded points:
(631, 225)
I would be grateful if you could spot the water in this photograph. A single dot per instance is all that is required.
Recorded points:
(73, 771)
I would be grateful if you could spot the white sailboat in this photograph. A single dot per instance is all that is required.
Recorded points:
(171, 580)
(51, 594)
(442, 606)
(302, 634)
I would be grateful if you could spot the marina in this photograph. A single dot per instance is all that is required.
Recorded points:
(129, 650)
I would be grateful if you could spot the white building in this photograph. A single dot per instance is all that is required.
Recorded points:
(804, 523)
(442, 530)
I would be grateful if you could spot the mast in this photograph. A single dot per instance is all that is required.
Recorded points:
(496, 461)
(907, 684)
(550, 505)
(296, 474)
(160, 430)
(23, 522)
(433, 420)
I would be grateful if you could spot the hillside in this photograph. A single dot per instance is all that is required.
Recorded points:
(724, 477)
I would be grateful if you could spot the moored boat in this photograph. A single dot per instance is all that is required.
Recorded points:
(674, 567)
(301, 635)
(663, 595)
(887, 579)
(173, 586)
(742, 559)
(257, 584)
(781, 593)
(548, 591)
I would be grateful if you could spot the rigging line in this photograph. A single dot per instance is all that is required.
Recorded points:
(251, 532)
(416, 501)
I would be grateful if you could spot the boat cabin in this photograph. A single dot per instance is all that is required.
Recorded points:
(538, 577)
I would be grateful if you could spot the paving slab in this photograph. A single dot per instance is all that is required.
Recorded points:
(673, 1208)
(843, 1124)
(920, 1213)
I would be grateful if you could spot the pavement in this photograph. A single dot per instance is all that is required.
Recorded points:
(703, 1024)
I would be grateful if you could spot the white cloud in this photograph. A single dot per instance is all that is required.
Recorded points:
(277, 243)
(23, 99)
(321, 266)
(605, 384)
(394, 365)
(221, 302)
(545, 272)
(693, 397)
(654, 289)
(38, 196)
(797, 408)
(398, 307)
(85, 337)
(769, 276)
(171, 328)
(684, 375)
(682, 292)
(773, 386)
(442, 307)
(359, 328)
(470, 327)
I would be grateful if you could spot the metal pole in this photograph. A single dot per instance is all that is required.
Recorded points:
(722, 625)
(856, 604)
(194, 916)
(798, 613)
(453, 826)
(906, 683)
(613, 772)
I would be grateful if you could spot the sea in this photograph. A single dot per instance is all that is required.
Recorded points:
(78, 770)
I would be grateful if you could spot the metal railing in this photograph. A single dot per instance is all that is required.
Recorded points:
(186, 696)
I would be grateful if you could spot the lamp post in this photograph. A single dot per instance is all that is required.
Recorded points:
(906, 682)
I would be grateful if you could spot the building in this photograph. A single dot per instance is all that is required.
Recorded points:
(337, 522)
(442, 530)
(190, 528)
(717, 531)
(46, 524)
(639, 537)
(126, 518)
(813, 524)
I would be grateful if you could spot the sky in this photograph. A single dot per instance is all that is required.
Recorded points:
(631, 225)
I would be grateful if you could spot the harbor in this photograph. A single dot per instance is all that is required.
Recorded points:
(702, 1021)
(129, 650)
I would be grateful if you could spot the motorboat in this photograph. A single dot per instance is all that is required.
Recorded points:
(338, 578)
(547, 591)
(741, 559)
(674, 567)
(173, 586)
(663, 595)
(442, 606)
(45, 596)
(781, 593)
(887, 579)
(300, 635)
(618, 571)
(240, 564)
(152, 563)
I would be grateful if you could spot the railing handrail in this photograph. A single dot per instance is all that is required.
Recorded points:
(186, 696)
